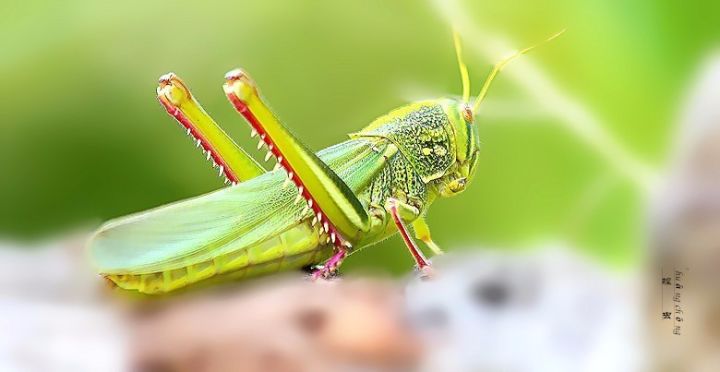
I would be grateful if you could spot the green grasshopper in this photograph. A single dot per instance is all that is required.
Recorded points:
(344, 197)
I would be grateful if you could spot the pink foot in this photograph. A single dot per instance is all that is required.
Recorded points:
(425, 272)
(329, 268)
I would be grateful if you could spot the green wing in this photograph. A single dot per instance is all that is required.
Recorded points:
(223, 221)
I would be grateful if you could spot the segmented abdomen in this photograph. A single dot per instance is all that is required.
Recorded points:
(297, 247)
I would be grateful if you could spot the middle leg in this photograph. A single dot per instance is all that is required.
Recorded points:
(401, 212)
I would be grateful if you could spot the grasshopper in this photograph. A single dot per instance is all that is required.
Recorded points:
(312, 207)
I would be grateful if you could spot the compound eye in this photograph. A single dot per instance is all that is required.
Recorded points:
(467, 114)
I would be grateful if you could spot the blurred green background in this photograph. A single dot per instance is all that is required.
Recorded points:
(85, 140)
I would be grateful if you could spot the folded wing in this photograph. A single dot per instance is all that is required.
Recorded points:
(223, 221)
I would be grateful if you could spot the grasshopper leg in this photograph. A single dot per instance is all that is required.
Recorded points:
(400, 212)
(234, 163)
(338, 210)
(331, 265)
(422, 232)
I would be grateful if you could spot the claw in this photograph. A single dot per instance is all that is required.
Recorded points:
(331, 266)
(426, 273)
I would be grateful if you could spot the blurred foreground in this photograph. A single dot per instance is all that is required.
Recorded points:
(545, 309)
(480, 311)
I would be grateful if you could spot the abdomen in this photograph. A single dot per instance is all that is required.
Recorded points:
(294, 248)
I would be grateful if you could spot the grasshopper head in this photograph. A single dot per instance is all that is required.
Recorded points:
(461, 120)
(461, 114)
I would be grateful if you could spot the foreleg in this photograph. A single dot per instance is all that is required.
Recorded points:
(422, 232)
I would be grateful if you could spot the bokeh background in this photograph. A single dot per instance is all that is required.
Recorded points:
(84, 140)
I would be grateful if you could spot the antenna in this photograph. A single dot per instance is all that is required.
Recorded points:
(463, 68)
(499, 66)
